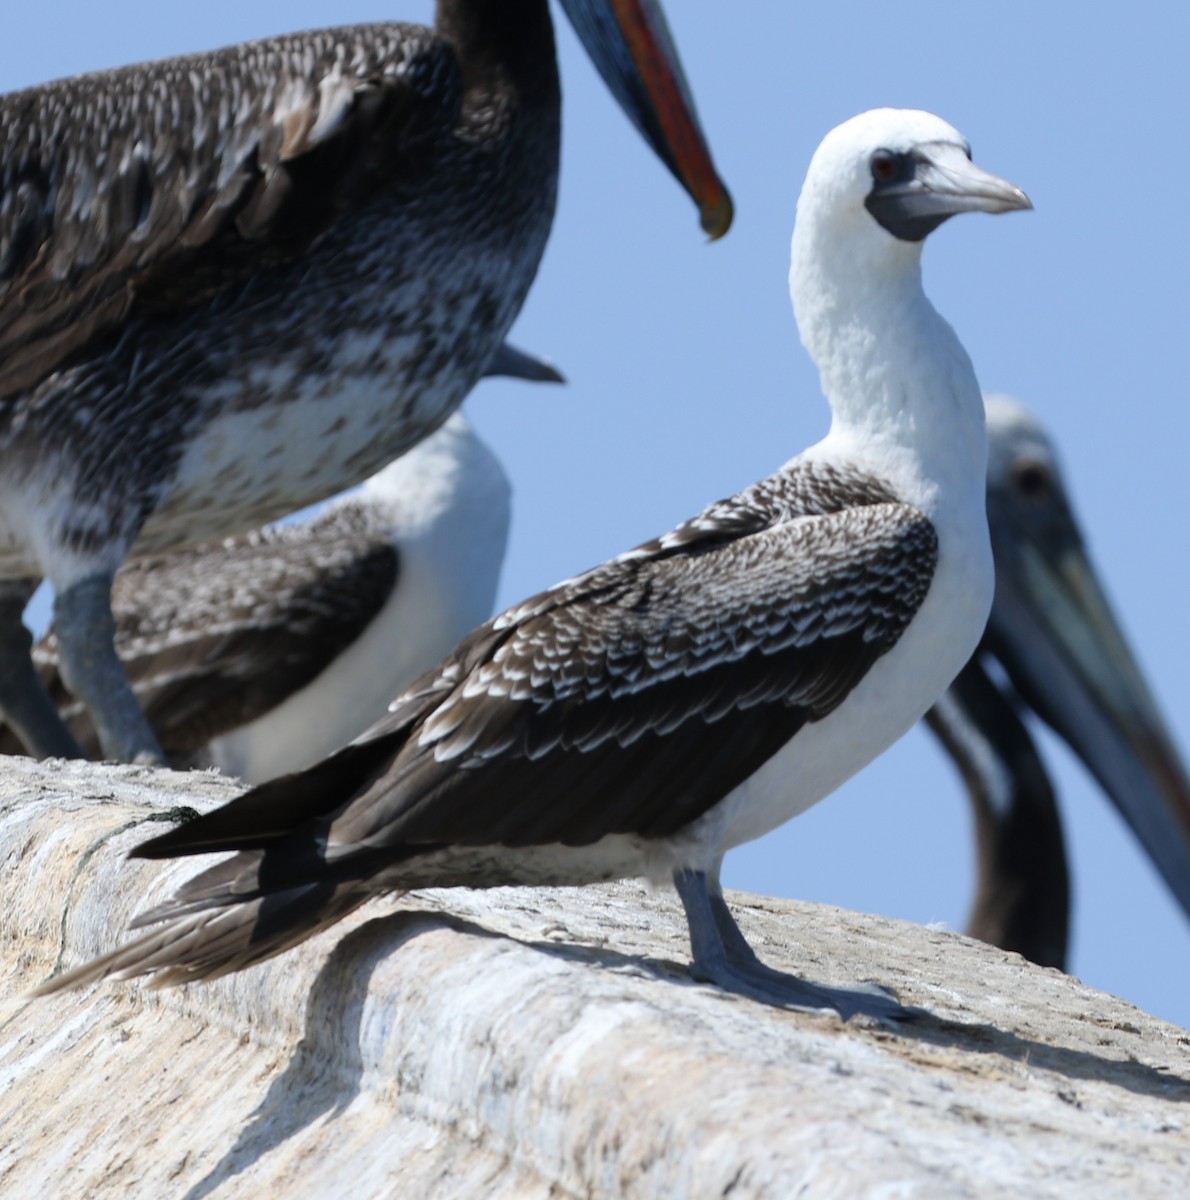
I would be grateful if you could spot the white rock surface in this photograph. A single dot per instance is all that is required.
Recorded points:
(545, 1043)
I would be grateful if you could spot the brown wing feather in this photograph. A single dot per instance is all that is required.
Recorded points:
(677, 688)
(154, 187)
(631, 698)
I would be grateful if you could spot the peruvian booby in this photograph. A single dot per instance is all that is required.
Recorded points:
(263, 653)
(237, 282)
(1052, 631)
(695, 692)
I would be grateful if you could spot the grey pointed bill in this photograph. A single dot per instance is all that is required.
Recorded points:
(517, 364)
(937, 181)
(1053, 628)
(630, 44)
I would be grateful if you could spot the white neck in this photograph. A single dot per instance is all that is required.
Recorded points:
(902, 390)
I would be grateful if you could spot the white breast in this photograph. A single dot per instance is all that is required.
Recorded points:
(885, 704)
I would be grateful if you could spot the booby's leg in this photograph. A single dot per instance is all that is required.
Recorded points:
(723, 957)
(24, 703)
(91, 670)
(734, 943)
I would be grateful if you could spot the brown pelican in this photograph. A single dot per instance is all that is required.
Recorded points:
(236, 282)
(1053, 633)
(693, 693)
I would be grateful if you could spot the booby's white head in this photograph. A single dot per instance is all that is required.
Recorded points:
(879, 183)
(876, 187)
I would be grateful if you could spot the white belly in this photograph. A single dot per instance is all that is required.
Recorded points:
(319, 442)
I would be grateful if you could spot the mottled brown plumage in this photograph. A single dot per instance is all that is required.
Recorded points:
(234, 283)
(145, 190)
(296, 194)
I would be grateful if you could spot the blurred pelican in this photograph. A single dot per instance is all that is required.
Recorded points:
(1053, 634)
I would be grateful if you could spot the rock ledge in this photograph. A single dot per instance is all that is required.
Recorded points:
(522, 1043)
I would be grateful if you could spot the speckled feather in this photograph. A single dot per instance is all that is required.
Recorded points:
(328, 223)
(154, 186)
(210, 637)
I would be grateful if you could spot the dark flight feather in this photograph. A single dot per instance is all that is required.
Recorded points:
(676, 669)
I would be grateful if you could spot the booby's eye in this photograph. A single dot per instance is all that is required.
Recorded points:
(1032, 480)
(884, 166)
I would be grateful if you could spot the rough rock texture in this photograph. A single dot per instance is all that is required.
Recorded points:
(525, 1043)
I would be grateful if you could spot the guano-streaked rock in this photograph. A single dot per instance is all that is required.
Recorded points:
(544, 1043)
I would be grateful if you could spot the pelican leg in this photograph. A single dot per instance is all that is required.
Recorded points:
(24, 702)
(723, 957)
(92, 671)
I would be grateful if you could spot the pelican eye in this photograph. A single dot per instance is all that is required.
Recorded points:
(884, 166)
(1032, 480)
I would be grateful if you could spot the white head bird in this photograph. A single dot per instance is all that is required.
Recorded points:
(648, 715)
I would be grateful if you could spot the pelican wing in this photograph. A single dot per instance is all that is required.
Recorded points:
(151, 188)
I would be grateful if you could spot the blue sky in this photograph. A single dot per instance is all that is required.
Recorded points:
(687, 380)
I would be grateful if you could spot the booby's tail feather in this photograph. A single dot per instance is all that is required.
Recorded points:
(208, 938)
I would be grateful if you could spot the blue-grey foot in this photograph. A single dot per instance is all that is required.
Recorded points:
(723, 957)
(24, 703)
(91, 670)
